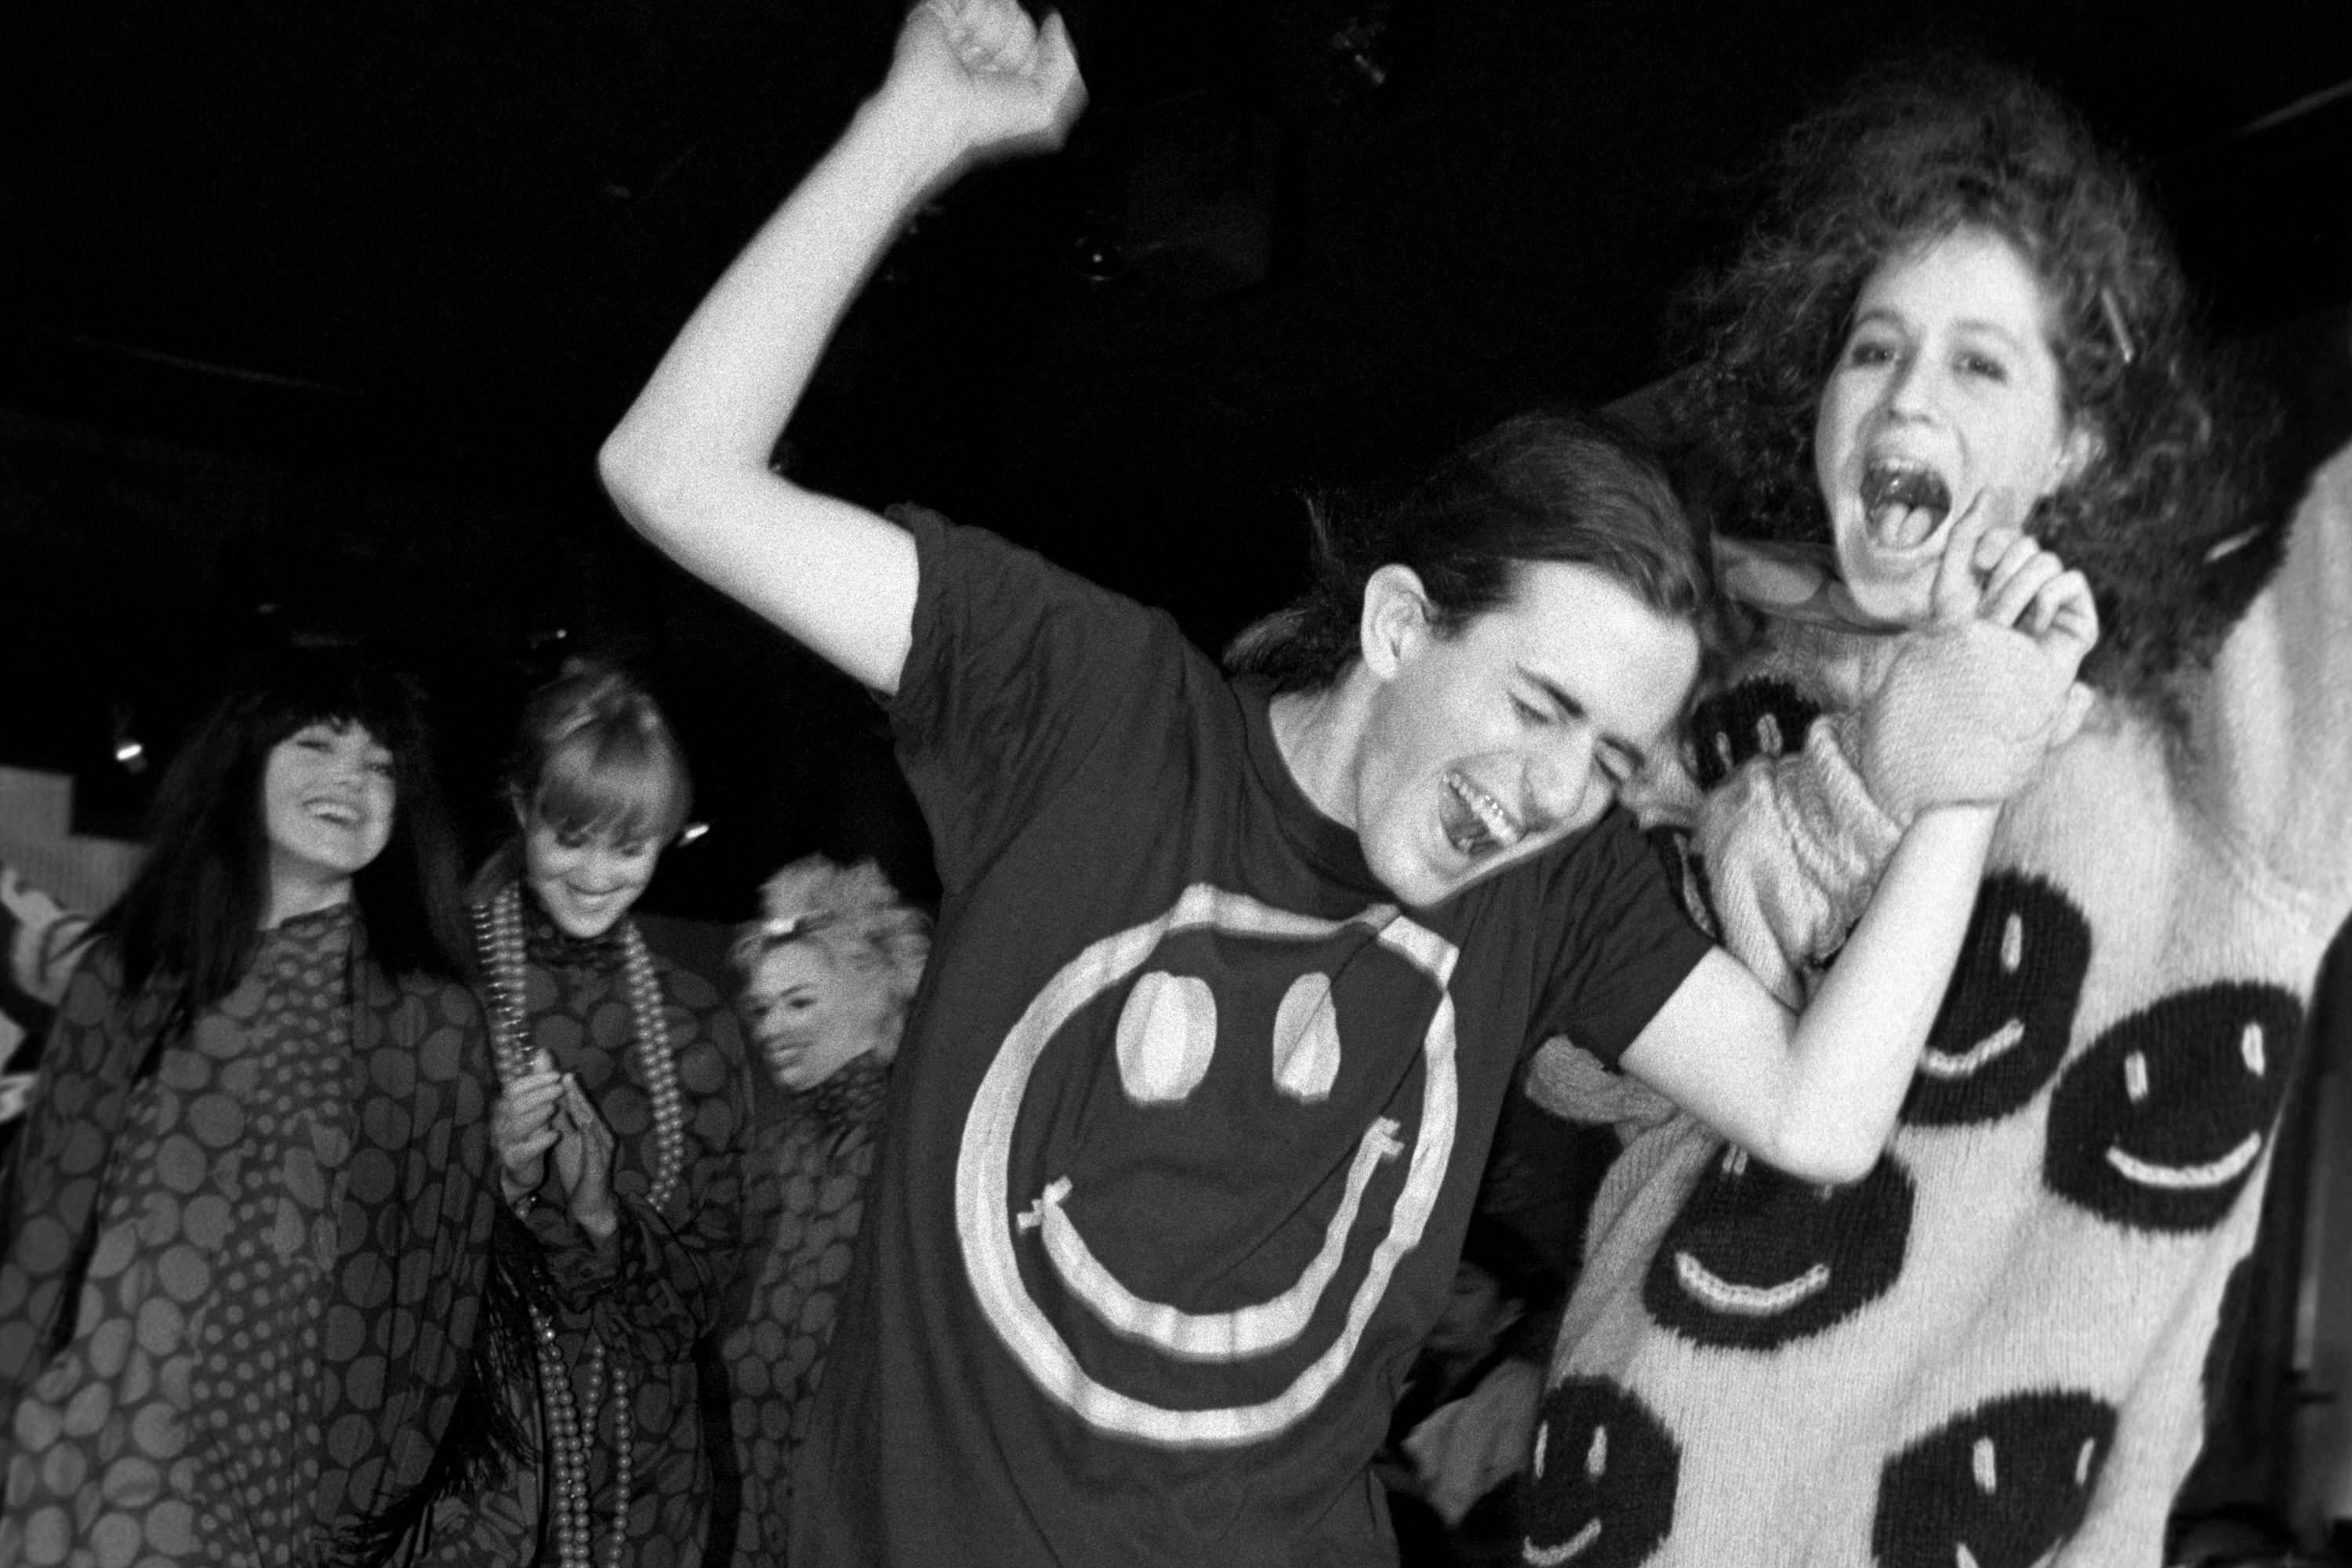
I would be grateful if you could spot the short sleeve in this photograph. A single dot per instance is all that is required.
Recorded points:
(1628, 945)
(1017, 673)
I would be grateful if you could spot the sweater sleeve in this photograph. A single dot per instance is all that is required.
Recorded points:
(2272, 732)
(659, 1281)
(1792, 846)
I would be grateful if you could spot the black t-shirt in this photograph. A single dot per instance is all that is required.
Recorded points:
(1189, 1117)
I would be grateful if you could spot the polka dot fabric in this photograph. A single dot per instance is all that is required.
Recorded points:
(237, 1348)
(809, 1169)
(651, 1293)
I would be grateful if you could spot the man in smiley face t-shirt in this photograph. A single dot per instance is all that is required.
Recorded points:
(1230, 975)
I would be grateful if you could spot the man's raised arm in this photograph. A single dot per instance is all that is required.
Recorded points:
(688, 466)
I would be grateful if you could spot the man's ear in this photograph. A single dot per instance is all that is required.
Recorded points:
(1396, 618)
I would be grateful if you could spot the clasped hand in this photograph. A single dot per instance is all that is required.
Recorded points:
(545, 1111)
(1984, 688)
(985, 78)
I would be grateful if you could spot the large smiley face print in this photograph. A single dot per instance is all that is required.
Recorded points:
(1999, 1487)
(1600, 1485)
(2009, 1011)
(2160, 1124)
(1756, 1259)
(1197, 1159)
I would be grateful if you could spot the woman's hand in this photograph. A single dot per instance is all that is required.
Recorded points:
(1975, 697)
(584, 1160)
(2023, 586)
(522, 1127)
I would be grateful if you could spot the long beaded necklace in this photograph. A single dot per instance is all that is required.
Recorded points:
(497, 932)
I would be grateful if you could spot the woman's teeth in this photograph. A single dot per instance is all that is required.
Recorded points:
(1906, 504)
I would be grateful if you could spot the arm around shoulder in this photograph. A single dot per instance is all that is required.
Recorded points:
(1816, 1094)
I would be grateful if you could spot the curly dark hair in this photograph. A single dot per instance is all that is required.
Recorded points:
(2158, 519)
(1552, 484)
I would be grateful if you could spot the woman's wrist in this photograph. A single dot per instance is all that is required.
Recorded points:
(597, 1219)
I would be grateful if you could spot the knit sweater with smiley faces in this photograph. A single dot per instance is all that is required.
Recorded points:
(1996, 1347)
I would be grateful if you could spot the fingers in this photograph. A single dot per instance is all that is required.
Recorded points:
(527, 1101)
(2014, 583)
(580, 1114)
(522, 1155)
(1955, 594)
(2066, 608)
(986, 35)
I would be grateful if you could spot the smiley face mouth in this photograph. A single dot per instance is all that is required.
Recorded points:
(1704, 1285)
(1258, 1329)
(2213, 1174)
(1567, 1551)
(1952, 1066)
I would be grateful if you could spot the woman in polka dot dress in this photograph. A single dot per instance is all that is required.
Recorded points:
(619, 1131)
(829, 971)
(245, 1228)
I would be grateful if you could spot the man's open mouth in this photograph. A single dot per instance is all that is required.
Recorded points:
(1475, 823)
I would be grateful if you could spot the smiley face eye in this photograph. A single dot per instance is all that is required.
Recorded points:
(1307, 1040)
(1167, 1036)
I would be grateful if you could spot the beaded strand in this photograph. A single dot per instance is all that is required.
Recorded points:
(498, 928)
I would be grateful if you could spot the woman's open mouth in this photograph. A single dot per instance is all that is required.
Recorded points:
(1904, 502)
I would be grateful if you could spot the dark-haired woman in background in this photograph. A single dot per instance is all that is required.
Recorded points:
(620, 1128)
(1995, 1347)
(245, 1228)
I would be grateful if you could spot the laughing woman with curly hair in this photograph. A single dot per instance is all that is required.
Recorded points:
(1959, 311)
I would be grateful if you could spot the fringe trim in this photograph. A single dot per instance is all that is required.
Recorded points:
(488, 1433)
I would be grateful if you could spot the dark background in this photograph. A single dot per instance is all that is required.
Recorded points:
(312, 315)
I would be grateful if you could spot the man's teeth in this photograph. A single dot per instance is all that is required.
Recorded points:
(1491, 825)
(335, 812)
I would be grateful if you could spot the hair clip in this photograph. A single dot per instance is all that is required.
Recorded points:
(782, 929)
(2115, 314)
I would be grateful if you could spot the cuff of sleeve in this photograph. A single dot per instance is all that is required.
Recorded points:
(581, 1265)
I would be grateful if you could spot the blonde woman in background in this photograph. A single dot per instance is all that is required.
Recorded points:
(829, 972)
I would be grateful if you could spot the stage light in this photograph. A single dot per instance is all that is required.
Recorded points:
(129, 753)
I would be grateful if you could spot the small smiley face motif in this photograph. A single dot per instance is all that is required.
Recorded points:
(1600, 1490)
(2160, 1124)
(1760, 718)
(1757, 1259)
(2003, 1486)
(2001, 1034)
